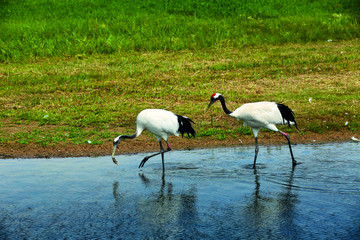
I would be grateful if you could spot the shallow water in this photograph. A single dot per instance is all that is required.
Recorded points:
(206, 194)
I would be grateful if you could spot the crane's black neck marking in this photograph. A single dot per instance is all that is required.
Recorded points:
(129, 136)
(126, 136)
(223, 104)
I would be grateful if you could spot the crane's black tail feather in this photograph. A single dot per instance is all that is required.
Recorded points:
(185, 126)
(287, 114)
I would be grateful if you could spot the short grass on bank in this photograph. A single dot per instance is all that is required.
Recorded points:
(92, 99)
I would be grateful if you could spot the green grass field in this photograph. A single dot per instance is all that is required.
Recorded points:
(37, 29)
(80, 71)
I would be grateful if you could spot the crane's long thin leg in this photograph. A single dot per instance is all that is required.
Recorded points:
(162, 155)
(147, 158)
(256, 150)
(162, 158)
(292, 156)
(162, 151)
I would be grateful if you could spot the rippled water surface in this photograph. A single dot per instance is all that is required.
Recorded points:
(206, 194)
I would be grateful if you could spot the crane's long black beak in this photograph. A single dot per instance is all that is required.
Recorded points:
(211, 103)
(114, 149)
(115, 144)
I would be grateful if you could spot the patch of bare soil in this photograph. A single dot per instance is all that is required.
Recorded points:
(147, 144)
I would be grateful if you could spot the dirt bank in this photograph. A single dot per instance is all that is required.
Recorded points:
(147, 144)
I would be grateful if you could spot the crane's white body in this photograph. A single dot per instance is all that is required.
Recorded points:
(259, 115)
(160, 122)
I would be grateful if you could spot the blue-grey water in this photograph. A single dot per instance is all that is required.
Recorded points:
(206, 194)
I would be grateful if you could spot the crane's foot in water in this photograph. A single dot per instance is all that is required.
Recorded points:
(143, 162)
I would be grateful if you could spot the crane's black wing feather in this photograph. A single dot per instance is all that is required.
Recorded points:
(185, 126)
(287, 114)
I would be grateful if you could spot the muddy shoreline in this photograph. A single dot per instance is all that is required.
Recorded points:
(148, 144)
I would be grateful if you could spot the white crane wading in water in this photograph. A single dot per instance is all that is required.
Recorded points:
(261, 115)
(162, 124)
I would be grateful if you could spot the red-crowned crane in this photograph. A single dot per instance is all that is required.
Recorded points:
(260, 115)
(162, 124)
